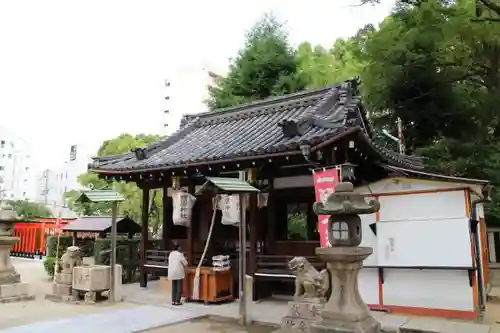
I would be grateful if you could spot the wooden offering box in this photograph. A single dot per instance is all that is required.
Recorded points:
(215, 286)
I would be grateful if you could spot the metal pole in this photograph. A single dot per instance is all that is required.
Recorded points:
(243, 255)
(112, 261)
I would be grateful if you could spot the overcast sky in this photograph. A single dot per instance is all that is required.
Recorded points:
(85, 71)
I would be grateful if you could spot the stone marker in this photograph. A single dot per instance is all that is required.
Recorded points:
(11, 287)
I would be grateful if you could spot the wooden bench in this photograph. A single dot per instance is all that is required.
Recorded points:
(157, 262)
(275, 268)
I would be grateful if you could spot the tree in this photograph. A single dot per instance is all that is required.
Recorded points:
(131, 207)
(320, 67)
(28, 210)
(266, 66)
(438, 69)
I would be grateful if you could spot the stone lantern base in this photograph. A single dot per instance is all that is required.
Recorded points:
(345, 311)
(11, 287)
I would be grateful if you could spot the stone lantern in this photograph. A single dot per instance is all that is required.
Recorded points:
(345, 310)
(11, 287)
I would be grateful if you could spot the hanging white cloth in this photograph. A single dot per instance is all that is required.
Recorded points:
(183, 203)
(230, 207)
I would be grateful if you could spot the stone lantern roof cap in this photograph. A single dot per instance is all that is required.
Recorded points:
(344, 201)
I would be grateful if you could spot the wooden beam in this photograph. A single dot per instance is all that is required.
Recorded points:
(144, 236)
(191, 228)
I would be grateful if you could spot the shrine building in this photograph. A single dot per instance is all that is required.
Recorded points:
(429, 237)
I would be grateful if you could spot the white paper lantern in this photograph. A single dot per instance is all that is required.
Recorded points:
(183, 203)
(230, 207)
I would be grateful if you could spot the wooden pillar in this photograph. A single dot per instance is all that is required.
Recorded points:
(144, 235)
(75, 237)
(254, 225)
(271, 216)
(167, 219)
(190, 229)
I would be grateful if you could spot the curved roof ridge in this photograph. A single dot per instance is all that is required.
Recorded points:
(264, 102)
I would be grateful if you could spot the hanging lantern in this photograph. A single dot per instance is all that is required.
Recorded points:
(183, 203)
(347, 172)
(230, 207)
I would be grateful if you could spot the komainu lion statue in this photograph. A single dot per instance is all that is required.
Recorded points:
(71, 258)
(309, 283)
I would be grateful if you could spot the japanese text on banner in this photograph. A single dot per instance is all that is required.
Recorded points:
(324, 185)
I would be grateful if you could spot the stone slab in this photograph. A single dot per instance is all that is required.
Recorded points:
(61, 289)
(20, 298)
(64, 278)
(9, 276)
(13, 290)
(128, 320)
(392, 323)
(425, 325)
(59, 298)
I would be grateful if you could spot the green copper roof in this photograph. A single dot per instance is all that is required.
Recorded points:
(221, 185)
(100, 196)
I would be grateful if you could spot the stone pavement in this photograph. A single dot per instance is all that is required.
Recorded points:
(271, 312)
(135, 319)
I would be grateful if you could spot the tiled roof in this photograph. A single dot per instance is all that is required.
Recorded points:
(265, 127)
(102, 224)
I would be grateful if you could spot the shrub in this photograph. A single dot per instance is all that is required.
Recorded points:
(64, 243)
(49, 265)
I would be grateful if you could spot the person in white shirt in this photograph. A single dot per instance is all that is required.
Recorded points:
(176, 265)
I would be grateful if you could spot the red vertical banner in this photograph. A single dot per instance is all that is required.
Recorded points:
(324, 185)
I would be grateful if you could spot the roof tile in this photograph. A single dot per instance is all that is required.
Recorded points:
(252, 129)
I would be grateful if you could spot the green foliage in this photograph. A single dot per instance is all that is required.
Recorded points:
(266, 66)
(438, 69)
(297, 226)
(132, 205)
(127, 255)
(319, 67)
(49, 264)
(434, 64)
(64, 243)
(28, 210)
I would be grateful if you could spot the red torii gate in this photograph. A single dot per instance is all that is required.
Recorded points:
(33, 236)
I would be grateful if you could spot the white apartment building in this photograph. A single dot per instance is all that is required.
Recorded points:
(16, 173)
(186, 93)
(53, 183)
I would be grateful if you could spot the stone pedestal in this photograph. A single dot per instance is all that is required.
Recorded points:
(301, 316)
(61, 288)
(11, 287)
(345, 311)
(91, 281)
